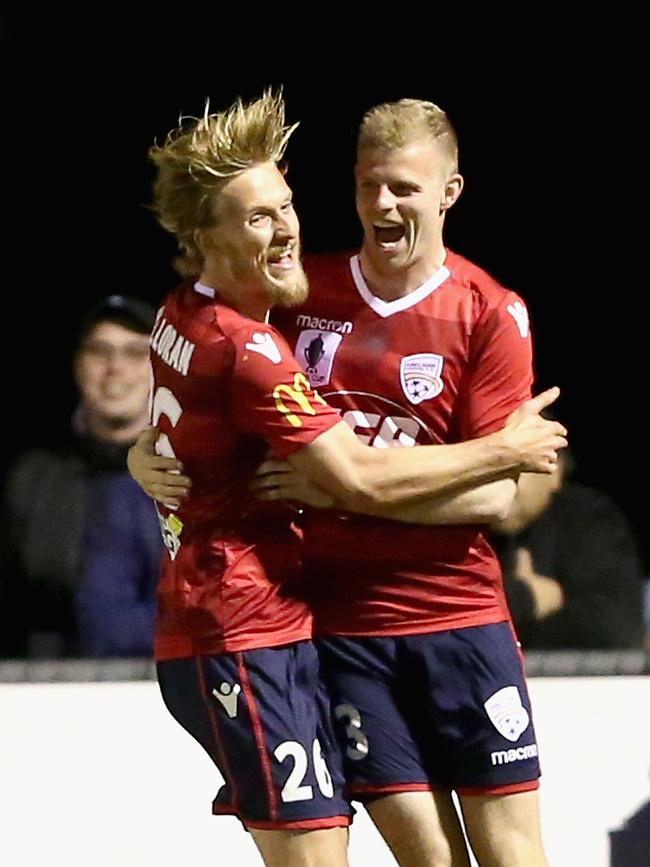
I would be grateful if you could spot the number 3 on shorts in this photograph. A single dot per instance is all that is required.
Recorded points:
(293, 789)
(350, 717)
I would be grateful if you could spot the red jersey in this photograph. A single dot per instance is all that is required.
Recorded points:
(226, 389)
(446, 363)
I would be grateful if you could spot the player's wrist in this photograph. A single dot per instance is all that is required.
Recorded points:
(503, 452)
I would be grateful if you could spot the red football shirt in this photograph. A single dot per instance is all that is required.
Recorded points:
(446, 363)
(226, 389)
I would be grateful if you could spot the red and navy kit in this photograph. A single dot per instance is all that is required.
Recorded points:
(419, 654)
(445, 710)
(446, 363)
(234, 667)
(263, 717)
(226, 390)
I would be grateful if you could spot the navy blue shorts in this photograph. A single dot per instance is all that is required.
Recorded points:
(264, 719)
(442, 710)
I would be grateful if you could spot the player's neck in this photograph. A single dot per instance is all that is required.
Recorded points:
(390, 283)
(248, 304)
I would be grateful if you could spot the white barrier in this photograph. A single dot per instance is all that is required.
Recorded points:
(99, 775)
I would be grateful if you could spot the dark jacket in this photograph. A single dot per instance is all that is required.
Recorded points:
(585, 542)
(79, 554)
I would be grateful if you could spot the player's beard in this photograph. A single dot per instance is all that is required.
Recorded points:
(290, 291)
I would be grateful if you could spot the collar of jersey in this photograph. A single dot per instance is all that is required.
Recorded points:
(387, 308)
(204, 290)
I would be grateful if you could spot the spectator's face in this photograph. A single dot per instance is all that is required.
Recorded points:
(402, 196)
(112, 374)
(253, 249)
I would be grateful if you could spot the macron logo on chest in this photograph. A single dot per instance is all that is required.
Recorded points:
(264, 345)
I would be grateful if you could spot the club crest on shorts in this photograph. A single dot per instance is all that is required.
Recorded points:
(507, 713)
(315, 350)
(420, 376)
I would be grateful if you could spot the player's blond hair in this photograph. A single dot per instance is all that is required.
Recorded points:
(201, 154)
(394, 125)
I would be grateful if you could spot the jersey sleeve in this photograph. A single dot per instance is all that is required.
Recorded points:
(501, 367)
(271, 395)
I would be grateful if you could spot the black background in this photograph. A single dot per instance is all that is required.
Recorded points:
(545, 115)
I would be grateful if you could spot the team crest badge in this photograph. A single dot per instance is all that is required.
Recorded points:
(420, 376)
(315, 350)
(507, 713)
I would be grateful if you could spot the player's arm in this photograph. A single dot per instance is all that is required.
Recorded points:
(467, 499)
(362, 479)
(271, 399)
(501, 376)
(483, 504)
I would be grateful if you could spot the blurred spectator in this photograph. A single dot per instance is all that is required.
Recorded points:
(572, 571)
(80, 541)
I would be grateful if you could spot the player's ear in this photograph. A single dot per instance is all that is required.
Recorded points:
(199, 240)
(451, 193)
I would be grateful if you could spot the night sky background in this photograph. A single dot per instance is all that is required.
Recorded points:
(546, 120)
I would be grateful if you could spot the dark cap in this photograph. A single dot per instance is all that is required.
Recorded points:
(133, 313)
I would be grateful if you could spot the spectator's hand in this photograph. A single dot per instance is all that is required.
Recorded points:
(547, 592)
(158, 476)
(537, 439)
(277, 480)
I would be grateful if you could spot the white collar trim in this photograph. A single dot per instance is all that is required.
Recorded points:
(203, 289)
(387, 308)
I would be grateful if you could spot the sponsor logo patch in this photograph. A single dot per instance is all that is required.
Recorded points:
(315, 350)
(298, 396)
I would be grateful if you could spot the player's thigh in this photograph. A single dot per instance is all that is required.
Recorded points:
(379, 752)
(472, 714)
(421, 828)
(262, 716)
(504, 830)
(318, 848)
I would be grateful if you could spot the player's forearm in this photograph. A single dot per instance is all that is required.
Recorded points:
(362, 479)
(483, 504)
(399, 477)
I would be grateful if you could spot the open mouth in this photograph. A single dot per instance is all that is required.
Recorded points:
(388, 236)
(282, 259)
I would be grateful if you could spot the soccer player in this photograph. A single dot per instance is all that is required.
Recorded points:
(235, 664)
(416, 345)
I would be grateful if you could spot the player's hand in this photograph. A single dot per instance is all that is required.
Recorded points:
(547, 592)
(277, 480)
(536, 439)
(159, 477)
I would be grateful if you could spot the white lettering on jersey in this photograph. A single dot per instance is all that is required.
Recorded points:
(381, 423)
(502, 757)
(420, 376)
(507, 713)
(264, 345)
(520, 315)
(316, 351)
(226, 695)
(321, 324)
(174, 349)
